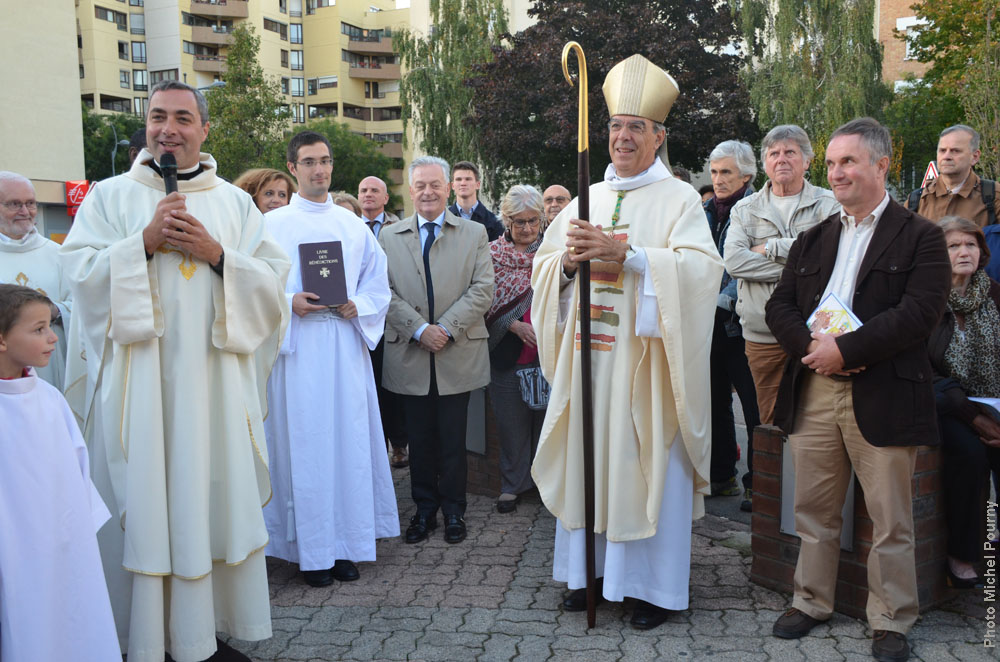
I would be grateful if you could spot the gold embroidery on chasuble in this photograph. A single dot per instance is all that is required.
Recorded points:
(187, 266)
(606, 292)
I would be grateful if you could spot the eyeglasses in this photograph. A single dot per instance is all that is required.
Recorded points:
(562, 199)
(529, 223)
(635, 126)
(312, 163)
(14, 205)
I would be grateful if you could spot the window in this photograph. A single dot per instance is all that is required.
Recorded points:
(313, 4)
(316, 112)
(138, 51)
(81, 76)
(352, 31)
(199, 49)
(124, 80)
(139, 80)
(167, 74)
(387, 114)
(139, 105)
(284, 85)
(388, 137)
(115, 104)
(283, 6)
(907, 25)
(274, 26)
(123, 50)
(311, 86)
(135, 3)
(195, 21)
(298, 87)
(138, 24)
(298, 113)
(297, 63)
(111, 16)
(327, 82)
(284, 58)
(79, 41)
(295, 35)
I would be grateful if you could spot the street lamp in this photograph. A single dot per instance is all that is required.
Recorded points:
(114, 150)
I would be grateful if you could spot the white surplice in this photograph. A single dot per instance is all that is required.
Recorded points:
(176, 363)
(650, 318)
(333, 492)
(53, 599)
(33, 261)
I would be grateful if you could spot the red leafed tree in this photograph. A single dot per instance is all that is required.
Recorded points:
(526, 114)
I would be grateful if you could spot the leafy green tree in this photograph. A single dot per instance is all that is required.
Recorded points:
(979, 97)
(354, 157)
(526, 114)
(916, 115)
(816, 64)
(433, 91)
(248, 112)
(952, 35)
(99, 137)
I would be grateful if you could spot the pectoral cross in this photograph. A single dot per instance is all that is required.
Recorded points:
(324, 272)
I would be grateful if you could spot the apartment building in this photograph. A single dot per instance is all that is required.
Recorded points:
(897, 59)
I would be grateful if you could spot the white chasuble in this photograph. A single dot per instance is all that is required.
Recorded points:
(333, 492)
(33, 261)
(173, 405)
(53, 598)
(646, 389)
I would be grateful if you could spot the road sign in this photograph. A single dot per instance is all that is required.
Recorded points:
(931, 174)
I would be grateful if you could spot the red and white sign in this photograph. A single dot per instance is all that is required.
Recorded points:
(75, 193)
(930, 175)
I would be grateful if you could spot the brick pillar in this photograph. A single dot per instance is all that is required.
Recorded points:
(775, 554)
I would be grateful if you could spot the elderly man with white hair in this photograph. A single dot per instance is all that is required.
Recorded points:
(762, 229)
(733, 167)
(29, 259)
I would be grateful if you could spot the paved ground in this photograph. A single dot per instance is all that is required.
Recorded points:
(492, 598)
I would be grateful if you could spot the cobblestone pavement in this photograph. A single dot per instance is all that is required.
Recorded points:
(492, 598)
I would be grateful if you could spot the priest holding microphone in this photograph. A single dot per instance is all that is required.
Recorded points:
(182, 308)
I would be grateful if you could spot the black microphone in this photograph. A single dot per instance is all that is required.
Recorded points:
(168, 168)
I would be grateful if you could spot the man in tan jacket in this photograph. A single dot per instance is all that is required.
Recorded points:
(441, 277)
(958, 191)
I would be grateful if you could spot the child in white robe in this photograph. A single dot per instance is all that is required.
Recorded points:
(53, 599)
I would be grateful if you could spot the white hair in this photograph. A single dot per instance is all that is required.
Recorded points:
(430, 160)
(740, 152)
(8, 176)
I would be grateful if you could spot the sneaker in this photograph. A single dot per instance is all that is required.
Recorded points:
(727, 488)
(746, 505)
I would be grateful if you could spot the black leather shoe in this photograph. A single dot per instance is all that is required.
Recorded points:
(961, 583)
(889, 646)
(318, 578)
(577, 600)
(454, 529)
(794, 624)
(226, 653)
(507, 505)
(420, 527)
(344, 571)
(648, 616)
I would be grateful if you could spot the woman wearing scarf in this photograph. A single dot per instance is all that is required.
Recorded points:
(512, 340)
(965, 352)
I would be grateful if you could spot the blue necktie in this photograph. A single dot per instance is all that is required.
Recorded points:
(430, 227)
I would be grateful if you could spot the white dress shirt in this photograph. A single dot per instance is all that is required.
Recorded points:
(854, 240)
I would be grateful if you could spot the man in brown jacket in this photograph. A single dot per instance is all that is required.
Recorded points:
(958, 191)
(864, 399)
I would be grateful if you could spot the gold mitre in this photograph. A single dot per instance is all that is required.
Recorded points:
(636, 86)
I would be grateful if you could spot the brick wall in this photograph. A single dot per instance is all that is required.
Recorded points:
(775, 554)
(894, 62)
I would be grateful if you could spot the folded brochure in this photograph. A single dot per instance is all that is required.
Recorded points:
(832, 316)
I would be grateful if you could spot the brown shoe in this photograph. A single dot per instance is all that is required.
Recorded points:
(889, 646)
(794, 624)
(399, 458)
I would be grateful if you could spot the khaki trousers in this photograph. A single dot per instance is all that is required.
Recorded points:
(825, 445)
(767, 363)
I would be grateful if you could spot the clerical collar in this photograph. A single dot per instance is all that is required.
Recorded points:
(655, 173)
(182, 175)
(4, 239)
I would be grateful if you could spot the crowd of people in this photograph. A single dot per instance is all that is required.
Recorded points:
(216, 412)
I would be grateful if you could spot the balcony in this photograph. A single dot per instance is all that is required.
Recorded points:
(392, 150)
(214, 35)
(210, 63)
(370, 45)
(220, 8)
(377, 72)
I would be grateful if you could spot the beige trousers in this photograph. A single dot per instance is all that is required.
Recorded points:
(767, 363)
(825, 445)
